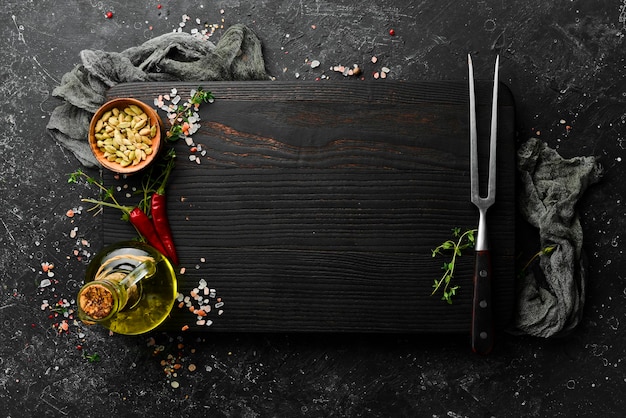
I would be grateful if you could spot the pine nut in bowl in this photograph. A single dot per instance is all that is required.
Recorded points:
(125, 135)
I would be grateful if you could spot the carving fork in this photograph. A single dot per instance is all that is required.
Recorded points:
(482, 313)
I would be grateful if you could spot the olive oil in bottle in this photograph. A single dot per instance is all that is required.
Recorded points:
(130, 288)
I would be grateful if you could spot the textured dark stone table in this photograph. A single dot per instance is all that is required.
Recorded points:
(564, 62)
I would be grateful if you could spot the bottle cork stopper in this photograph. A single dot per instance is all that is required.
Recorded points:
(96, 301)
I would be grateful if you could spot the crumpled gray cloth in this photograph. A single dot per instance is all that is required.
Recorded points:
(552, 304)
(176, 56)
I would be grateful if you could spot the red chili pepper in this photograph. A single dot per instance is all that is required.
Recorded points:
(158, 208)
(139, 219)
(144, 226)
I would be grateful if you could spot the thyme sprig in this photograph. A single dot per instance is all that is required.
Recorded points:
(184, 117)
(460, 242)
(106, 194)
(547, 250)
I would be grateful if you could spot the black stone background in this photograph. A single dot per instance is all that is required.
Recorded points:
(563, 60)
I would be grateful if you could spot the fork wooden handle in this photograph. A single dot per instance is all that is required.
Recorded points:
(482, 312)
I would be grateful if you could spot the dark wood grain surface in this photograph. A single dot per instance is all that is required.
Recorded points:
(316, 205)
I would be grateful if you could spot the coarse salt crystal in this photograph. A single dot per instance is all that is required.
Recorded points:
(45, 283)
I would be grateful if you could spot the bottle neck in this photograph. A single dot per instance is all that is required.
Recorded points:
(112, 290)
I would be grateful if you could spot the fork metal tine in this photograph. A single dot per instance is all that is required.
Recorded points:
(475, 194)
(494, 133)
(474, 177)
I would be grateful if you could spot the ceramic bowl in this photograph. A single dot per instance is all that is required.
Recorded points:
(122, 143)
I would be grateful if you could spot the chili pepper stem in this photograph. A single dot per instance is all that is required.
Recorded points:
(167, 172)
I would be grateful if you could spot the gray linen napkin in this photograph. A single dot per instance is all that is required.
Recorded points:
(176, 56)
(551, 303)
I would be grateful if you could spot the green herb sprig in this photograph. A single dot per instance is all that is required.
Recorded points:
(547, 250)
(92, 358)
(461, 241)
(183, 121)
(105, 193)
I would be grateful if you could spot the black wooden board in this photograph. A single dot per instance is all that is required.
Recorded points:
(317, 204)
